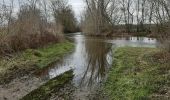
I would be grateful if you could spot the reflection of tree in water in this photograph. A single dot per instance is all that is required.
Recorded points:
(97, 61)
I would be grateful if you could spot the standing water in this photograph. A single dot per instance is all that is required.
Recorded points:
(92, 59)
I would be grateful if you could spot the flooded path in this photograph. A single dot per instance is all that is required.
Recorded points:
(91, 60)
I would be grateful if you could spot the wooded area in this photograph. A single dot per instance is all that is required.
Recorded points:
(35, 23)
(35, 20)
(107, 17)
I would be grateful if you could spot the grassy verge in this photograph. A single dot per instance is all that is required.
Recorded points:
(45, 91)
(139, 74)
(31, 60)
(45, 56)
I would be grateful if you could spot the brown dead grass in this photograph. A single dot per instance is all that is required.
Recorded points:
(163, 56)
(18, 42)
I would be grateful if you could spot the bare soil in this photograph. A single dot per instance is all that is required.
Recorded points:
(19, 87)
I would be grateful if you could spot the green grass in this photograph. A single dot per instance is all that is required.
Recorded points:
(48, 55)
(33, 59)
(137, 75)
(45, 91)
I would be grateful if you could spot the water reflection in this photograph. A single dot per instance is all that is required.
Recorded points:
(92, 58)
(134, 42)
(98, 60)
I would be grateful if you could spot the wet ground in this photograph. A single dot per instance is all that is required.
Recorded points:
(19, 87)
(90, 60)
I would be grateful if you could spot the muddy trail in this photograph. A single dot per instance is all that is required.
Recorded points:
(90, 62)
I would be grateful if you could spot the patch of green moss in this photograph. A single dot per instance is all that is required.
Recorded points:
(44, 92)
(136, 75)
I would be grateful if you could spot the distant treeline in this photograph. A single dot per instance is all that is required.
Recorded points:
(109, 17)
(101, 16)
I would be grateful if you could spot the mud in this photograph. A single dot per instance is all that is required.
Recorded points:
(19, 87)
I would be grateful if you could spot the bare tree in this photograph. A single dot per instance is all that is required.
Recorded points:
(64, 16)
(10, 15)
(99, 14)
(163, 22)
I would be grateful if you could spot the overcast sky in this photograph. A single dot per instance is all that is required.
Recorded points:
(78, 6)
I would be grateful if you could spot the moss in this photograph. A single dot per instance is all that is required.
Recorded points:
(136, 75)
(32, 59)
(44, 92)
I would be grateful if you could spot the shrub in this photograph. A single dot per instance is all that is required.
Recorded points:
(19, 42)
